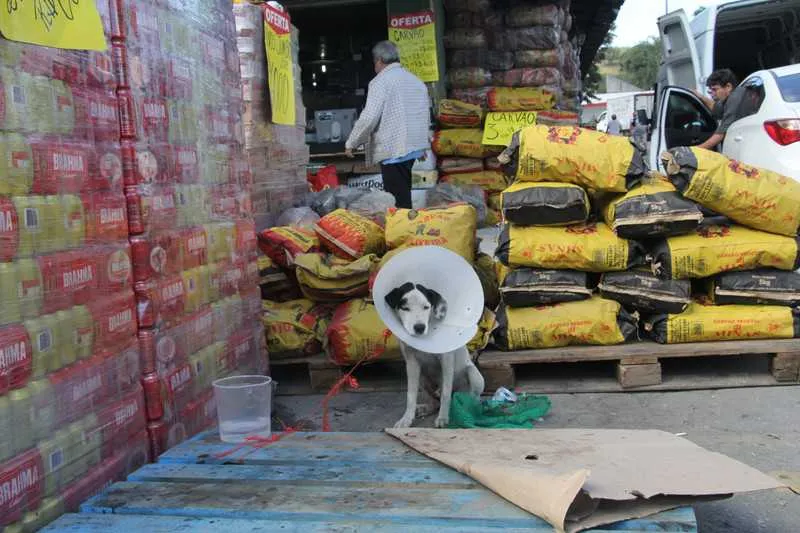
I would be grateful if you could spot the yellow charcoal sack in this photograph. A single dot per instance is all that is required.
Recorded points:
(585, 247)
(489, 180)
(350, 235)
(452, 227)
(282, 244)
(295, 328)
(462, 143)
(520, 99)
(653, 208)
(708, 323)
(754, 197)
(456, 114)
(713, 249)
(357, 333)
(569, 154)
(327, 278)
(274, 282)
(589, 322)
(486, 327)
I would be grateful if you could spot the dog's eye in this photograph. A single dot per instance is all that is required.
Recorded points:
(406, 309)
(426, 307)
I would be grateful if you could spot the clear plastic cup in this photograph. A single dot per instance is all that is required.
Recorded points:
(244, 407)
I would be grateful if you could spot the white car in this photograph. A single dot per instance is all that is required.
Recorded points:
(766, 136)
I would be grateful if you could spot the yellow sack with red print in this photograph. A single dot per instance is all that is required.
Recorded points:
(520, 99)
(709, 323)
(357, 333)
(489, 180)
(585, 247)
(713, 249)
(452, 227)
(753, 197)
(326, 278)
(595, 321)
(584, 157)
(294, 328)
(350, 235)
(462, 143)
(456, 114)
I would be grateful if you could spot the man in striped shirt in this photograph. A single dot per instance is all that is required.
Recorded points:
(395, 122)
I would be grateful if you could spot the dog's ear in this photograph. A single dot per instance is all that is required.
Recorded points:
(437, 302)
(395, 298)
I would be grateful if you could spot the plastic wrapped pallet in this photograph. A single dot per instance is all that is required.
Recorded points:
(713, 249)
(189, 198)
(72, 412)
(590, 322)
(545, 204)
(529, 38)
(651, 209)
(756, 287)
(528, 77)
(642, 291)
(584, 247)
(532, 287)
(488, 59)
(711, 323)
(757, 198)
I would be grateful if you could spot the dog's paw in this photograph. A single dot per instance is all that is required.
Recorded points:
(442, 421)
(404, 422)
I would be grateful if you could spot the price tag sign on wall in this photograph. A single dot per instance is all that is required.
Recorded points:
(500, 127)
(280, 76)
(67, 24)
(415, 37)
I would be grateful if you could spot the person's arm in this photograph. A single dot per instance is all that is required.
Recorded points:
(713, 141)
(708, 102)
(369, 119)
(729, 116)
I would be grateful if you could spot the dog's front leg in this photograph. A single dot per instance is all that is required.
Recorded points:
(413, 375)
(448, 371)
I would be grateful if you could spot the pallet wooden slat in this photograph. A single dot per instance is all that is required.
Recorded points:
(679, 520)
(313, 482)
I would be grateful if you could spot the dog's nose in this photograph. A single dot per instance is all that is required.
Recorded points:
(419, 329)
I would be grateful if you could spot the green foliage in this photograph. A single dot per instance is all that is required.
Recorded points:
(594, 81)
(640, 63)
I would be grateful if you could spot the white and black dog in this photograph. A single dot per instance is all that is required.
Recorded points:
(417, 307)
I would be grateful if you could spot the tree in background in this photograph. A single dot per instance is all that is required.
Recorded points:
(639, 64)
(594, 82)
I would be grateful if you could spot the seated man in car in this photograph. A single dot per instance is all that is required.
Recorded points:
(724, 104)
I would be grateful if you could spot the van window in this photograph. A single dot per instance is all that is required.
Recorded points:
(790, 87)
(688, 122)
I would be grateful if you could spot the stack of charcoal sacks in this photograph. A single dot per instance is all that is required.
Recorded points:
(278, 154)
(71, 405)
(552, 247)
(743, 268)
(187, 185)
(706, 255)
(524, 45)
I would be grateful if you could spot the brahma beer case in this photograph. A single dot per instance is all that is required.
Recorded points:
(124, 224)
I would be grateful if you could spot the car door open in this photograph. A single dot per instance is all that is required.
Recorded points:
(681, 120)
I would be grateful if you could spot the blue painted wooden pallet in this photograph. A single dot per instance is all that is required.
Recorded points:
(313, 482)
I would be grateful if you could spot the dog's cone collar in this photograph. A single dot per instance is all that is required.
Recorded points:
(445, 272)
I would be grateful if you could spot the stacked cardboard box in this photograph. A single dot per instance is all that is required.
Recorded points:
(187, 186)
(71, 406)
(277, 154)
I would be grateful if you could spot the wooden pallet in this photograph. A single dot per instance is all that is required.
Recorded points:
(639, 364)
(313, 482)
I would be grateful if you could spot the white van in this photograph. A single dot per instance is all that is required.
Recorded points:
(744, 35)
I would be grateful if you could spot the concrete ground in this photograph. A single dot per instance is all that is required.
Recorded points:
(758, 426)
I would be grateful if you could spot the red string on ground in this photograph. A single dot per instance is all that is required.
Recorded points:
(255, 442)
(349, 381)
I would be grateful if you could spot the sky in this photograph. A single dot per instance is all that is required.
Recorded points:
(637, 20)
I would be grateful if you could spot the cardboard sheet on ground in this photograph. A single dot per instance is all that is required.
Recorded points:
(579, 479)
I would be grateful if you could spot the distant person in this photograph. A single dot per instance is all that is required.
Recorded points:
(724, 104)
(614, 126)
(394, 123)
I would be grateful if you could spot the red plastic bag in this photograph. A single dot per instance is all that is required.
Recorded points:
(323, 178)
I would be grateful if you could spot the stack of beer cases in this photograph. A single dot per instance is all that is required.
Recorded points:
(187, 187)
(72, 414)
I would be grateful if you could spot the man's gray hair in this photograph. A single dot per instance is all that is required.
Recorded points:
(385, 52)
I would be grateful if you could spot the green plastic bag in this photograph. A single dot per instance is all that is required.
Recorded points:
(468, 412)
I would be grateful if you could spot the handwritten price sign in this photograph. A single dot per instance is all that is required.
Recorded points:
(278, 41)
(68, 24)
(415, 37)
(500, 127)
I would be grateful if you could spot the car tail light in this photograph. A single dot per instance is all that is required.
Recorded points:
(784, 132)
